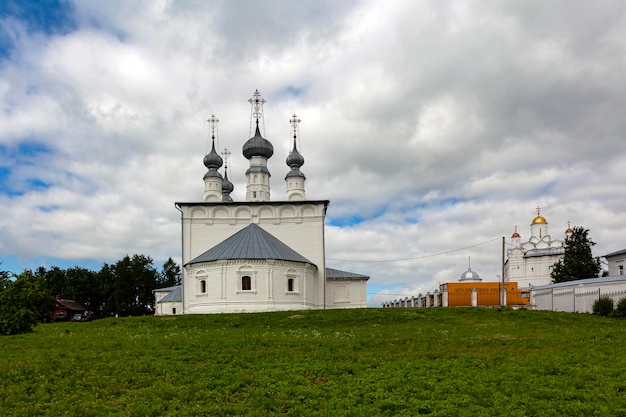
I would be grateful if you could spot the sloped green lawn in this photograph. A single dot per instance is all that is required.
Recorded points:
(388, 362)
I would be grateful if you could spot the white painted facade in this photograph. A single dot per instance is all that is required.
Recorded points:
(616, 262)
(298, 224)
(530, 263)
(346, 293)
(162, 307)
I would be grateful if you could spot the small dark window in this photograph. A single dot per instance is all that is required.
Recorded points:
(290, 285)
(203, 286)
(173, 310)
(246, 283)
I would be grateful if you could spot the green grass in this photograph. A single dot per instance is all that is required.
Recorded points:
(387, 362)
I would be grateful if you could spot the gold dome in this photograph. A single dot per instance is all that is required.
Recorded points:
(538, 220)
(515, 235)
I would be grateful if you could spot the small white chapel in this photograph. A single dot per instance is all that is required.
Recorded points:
(256, 255)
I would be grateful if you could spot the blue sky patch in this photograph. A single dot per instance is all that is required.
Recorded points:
(345, 221)
(52, 17)
(17, 266)
(26, 154)
(547, 188)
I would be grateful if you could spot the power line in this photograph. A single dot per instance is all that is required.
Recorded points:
(417, 257)
(385, 293)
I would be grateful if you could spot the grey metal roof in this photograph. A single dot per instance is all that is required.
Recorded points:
(619, 252)
(585, 281)
(172, 288)
(251, 242)
(176, 295)
(337, 274)
(470, 275)
(544, 251)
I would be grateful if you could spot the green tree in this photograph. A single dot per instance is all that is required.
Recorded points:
(56, 280)
(24, 301)
(134, 280)
(170, 275)
(578, 261)
(106, 286)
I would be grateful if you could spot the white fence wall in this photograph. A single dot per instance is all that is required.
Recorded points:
(577, 297)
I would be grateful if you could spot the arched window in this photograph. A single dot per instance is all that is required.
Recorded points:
(203, 286)
(173, 310)
(290, 282)
(246, 283)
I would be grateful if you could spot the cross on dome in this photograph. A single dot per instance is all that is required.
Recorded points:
(226, 156)
(256, 109)
(256, 101)
(294, 124)
(213, 121)
(539, 219)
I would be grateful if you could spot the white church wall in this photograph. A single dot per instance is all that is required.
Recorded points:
(269, 290)
(166, 309)
(346, 293)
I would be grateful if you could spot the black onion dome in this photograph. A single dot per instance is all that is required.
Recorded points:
(258, 146)
(227, 186)
(295, 159)
(212, 159)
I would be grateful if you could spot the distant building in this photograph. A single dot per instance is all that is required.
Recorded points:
(257, 255)
(616, 262)
(65, 310)
(168, 301)
(469, 291)
(530, 263)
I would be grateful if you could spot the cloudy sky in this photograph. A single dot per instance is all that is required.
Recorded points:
(434, 128)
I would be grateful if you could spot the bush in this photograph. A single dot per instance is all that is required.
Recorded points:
(621, 307)
(603, 306)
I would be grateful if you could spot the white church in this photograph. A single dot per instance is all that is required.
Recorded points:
(256, 255)
(530, 263)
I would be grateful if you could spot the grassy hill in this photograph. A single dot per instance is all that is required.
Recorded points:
(388, 362)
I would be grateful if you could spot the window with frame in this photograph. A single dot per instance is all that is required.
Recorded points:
(290, 284)
(246, 283)
(203, 286)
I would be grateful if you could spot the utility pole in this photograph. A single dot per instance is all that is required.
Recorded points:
(502, 294)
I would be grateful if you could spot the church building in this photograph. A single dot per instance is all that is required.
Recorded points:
(259, 254)
(530, 263)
